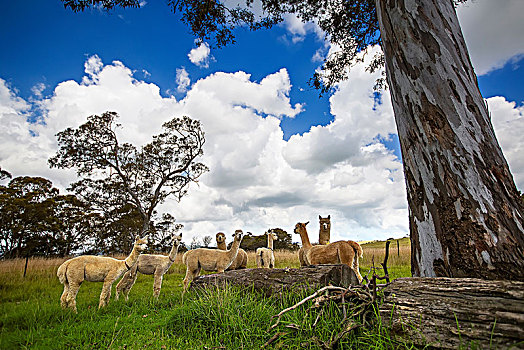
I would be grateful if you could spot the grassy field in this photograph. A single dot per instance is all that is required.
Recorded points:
(31, 317)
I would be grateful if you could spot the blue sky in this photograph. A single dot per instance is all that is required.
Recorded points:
(57, 66)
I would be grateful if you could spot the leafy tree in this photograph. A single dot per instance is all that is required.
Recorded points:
(195, 243)
(206, 241)
(126, 183)
(36, 220)
(466, 216)
(4, 174)
(252, 242)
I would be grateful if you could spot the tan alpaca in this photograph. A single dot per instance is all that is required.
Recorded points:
(340, 252)
(209, 259)
(95, 269)
(149, 264)
(265, 257)
(324, 233)
(241, 259)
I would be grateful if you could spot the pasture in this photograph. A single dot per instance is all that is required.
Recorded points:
(31, 317)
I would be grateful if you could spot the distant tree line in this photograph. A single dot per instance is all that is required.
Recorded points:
(284, 241)
(35, 219)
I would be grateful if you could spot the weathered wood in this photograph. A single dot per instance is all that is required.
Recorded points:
(466, 217)
(274, 281)
(448, 313)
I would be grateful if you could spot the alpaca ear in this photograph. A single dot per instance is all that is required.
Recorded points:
(320, 217)
(329, 216)
(145, 237)
(137, 237)
(306, 223)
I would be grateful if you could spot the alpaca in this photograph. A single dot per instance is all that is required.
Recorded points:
(149, 264)
(325, 230)
(95, 269)
(265, 256)
(209, 259)
(340, 252)
(241, 259)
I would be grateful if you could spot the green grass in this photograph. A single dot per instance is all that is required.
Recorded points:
(31, 317)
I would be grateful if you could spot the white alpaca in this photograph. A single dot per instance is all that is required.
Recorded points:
(240, 261)
(264, 256)
(95, 269)
(209, 259)
(149, 264)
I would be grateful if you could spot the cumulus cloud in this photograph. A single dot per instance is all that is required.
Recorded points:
(182, 79)
(257, 179)
(298, 29)
(493, 32)
(200, 55)
(508, 122)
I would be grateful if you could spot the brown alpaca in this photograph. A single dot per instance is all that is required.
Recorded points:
(340, 252)
(95, 269)
(324, 233)
(149, 264)
(209, 259)
(265, 257)
(241, 259)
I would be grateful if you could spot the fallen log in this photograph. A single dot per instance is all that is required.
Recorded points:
(456, 312)
(275, 281)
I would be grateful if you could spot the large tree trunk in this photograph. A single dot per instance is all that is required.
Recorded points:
(465, 214)
(450, 313)
(275, 281)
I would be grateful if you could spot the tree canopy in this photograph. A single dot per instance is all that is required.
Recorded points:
(125, 182)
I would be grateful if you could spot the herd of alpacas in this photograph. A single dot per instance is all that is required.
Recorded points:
(107, 270)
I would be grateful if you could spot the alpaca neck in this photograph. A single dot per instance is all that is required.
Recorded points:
(270, 242)
(133, 257)
(173, 252)
(222, 245)
(305, 239)
(234, 249)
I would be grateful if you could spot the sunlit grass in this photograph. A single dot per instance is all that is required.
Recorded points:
(31, 317)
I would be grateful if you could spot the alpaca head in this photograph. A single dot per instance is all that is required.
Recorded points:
(140, 243)
(238, 235)
(176, 239)
(273, 234)
(221, 237)
(300, 227)
(325, 223)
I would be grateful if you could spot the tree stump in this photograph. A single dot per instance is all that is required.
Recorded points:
(453, 312)
(275, 281)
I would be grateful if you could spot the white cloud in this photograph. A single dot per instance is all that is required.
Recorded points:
(298, 29)
(257, 180)
(508, 122)
(38, 89)
(182, 79)
(200, 55)
(493, 32)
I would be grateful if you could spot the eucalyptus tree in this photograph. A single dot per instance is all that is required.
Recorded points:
(127, 183)
(465, 213)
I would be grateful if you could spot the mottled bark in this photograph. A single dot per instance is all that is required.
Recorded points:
(455, 313)
(465, 215)
(275, 281)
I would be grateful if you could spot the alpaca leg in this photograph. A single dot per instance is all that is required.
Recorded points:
(190, 274)
(126, 283)
(356, 267)
(120, 286)
(157, 285)
(71, 298)
(63, 298)
(105, 294)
